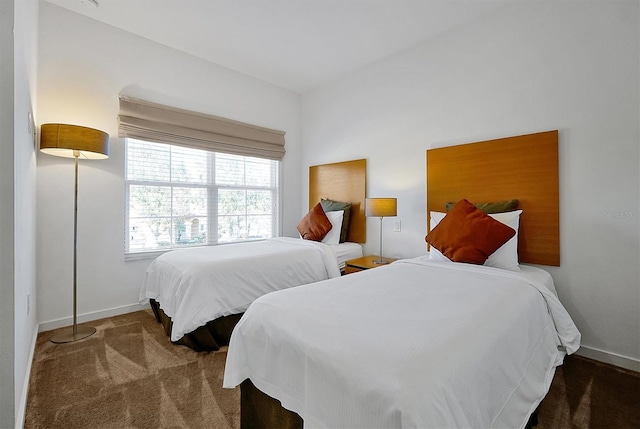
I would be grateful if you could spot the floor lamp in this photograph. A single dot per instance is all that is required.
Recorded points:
(72, 141)
(381, 207)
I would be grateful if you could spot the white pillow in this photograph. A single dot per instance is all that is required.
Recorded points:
(506, 257)
(333, 236)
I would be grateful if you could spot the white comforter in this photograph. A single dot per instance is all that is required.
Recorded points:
(197, 285)
(416, 344)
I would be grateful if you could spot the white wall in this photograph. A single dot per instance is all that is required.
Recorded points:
(83, 66)
(7, 274)
(18, 58)
(25, 133)
(570, 66)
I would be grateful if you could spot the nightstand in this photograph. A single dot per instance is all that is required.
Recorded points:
(364, 263)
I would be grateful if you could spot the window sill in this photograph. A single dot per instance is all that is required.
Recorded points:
(138, 256)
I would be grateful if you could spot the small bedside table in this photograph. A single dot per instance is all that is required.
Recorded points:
(364, 263)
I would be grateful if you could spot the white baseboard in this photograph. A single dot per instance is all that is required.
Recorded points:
(88, 317)
(610, 358)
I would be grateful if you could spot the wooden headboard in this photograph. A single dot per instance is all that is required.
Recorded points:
(345, 182)
(523, 167)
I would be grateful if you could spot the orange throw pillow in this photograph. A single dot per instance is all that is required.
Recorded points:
(315, 225)
(467, 234)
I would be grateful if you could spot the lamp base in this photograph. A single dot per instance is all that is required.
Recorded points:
(68, 337)
(380, 262)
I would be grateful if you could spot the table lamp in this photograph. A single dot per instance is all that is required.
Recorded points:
(381, 207)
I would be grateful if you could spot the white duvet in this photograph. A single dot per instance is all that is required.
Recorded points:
(416, 344)
(197, 285)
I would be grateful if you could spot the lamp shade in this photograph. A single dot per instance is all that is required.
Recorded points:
(71, 140)
(381, 207)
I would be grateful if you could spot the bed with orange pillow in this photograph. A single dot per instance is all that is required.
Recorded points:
(467, 335)
(199, 294)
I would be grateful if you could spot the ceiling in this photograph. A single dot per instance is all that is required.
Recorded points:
(295, 44)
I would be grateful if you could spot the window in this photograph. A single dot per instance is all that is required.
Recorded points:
(178, 197)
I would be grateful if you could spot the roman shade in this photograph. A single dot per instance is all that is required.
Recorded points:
(149, 121)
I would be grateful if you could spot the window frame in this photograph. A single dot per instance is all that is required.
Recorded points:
(213, 189)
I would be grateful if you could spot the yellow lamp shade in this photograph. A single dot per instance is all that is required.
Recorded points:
(381, 207)
(72, 140)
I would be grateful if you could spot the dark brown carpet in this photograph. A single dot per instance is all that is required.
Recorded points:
(587, 394)
(128, 375)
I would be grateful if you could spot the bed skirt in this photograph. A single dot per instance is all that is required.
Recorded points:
(209, 337)
(260, 411)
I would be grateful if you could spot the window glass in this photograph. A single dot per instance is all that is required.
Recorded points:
(176, 196)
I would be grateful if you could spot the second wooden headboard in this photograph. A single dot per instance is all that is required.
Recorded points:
(523, 168)
(345, 182)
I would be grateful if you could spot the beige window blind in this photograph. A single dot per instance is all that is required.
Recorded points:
(154, 122)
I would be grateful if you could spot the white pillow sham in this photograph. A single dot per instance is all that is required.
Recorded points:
(333, 236)
(506, 257)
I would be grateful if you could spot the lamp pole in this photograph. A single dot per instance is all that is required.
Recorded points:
(380, 261)
(86, 331)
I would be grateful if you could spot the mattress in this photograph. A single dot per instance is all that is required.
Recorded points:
(197, 285)
(416, 343)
